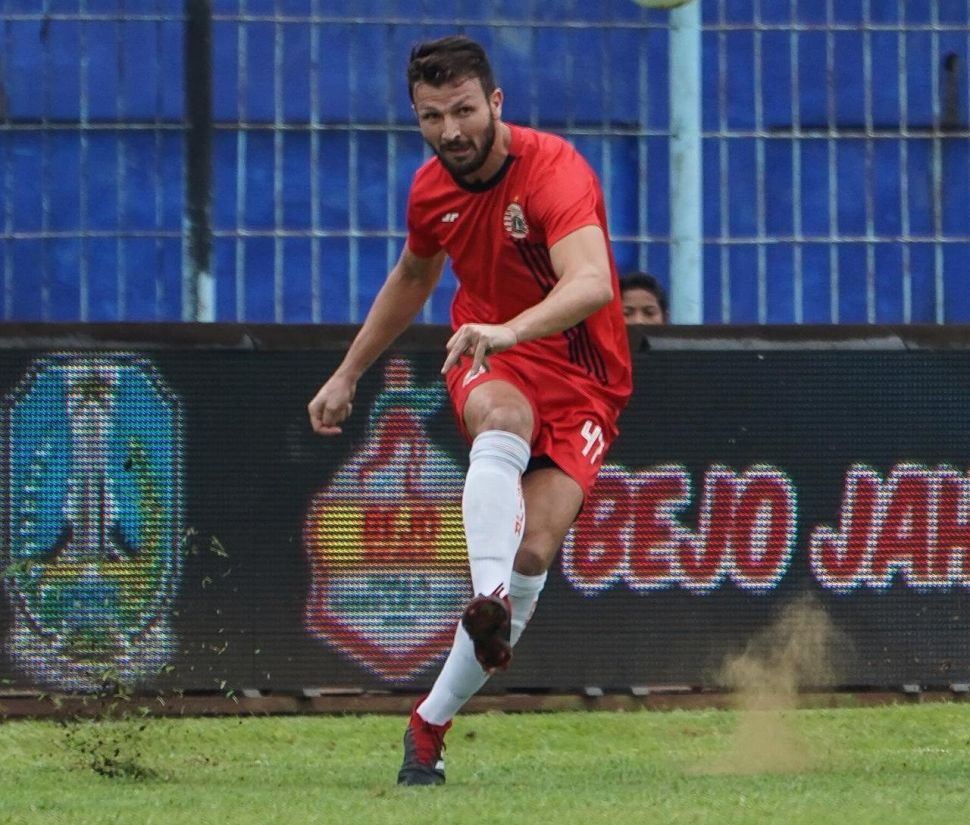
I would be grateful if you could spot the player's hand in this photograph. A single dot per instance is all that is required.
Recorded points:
(478, 341)
(332, 405)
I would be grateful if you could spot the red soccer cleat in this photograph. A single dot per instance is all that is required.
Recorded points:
(423, 744)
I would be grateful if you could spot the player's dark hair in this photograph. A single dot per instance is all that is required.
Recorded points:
(644, 280)
(448, 60)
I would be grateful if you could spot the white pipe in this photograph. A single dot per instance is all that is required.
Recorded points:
(686, 215)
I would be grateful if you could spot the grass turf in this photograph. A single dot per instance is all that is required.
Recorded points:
(881, 765)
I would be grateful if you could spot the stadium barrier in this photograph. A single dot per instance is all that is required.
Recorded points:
(795, 494)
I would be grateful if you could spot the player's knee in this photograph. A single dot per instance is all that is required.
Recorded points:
(510, 418)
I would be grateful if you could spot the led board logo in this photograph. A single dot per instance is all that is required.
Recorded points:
(909, 526)
(93, 498)
(385, 540)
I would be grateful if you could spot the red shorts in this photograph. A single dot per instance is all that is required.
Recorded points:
(574, 423)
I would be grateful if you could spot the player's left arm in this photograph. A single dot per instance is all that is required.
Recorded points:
(584, 284)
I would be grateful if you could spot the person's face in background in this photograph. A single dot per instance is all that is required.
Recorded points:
(640, 306)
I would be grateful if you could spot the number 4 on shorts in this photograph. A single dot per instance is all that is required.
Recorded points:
(593, 435)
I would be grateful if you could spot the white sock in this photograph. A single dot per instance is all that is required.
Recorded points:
(462, 677)
(523, 595)
(492, 507)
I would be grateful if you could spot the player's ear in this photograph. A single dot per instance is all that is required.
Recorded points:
(495, 101)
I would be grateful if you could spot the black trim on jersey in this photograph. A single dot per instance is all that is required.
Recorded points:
(578, 343)
(539, 265)
(592, 358)
(485, 185)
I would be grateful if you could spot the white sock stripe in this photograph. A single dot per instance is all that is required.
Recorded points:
(502, 445)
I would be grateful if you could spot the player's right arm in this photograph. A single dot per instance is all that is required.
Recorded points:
(407, 288)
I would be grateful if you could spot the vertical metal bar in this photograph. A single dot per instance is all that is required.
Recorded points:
(159, 179)
(84, 287)
(45, 181)
(533, 76)
(686, 263)
(937, 165)
(391, 251)
(643, 155)
(725, 188)
(198, 285)
(606, 144)
(278, 182)
(868, 195)
(760, 168)
(833, 177)
(966, 86)
(904, 165)
(8, 189)
(569, 72)
(121, 165)
(798, 295)
(316, 313)
(242, 114)
(353, 188)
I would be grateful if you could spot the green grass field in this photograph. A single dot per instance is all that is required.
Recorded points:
(904, 763)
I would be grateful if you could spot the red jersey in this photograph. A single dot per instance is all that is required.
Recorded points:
(498, 233)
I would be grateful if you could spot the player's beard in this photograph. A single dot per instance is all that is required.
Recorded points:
(476, 161)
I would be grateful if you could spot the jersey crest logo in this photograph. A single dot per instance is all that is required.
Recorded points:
(514, 221)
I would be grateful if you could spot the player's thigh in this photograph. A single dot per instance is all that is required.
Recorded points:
(552, 502)
(498, 405)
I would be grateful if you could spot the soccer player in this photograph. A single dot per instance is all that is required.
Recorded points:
(644, 300)
(538, 367)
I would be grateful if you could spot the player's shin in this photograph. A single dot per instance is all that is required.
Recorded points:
(493, 509)
(461, 678)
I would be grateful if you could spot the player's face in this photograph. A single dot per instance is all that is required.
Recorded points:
(458, 122)
(640, 306)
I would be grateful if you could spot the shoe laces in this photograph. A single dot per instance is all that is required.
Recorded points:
(429, 741)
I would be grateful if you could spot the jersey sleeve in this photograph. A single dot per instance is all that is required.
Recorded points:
(565, 197)
(420, 239)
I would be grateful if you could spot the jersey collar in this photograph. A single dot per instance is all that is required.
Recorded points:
(495, 180)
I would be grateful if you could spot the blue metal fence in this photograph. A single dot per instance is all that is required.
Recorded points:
(91, 156)
(836, 169)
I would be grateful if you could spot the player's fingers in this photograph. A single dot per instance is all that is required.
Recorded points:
(460, 342)
(319, 425)
(451, 360)
(315, 415)
(478, 356)
(457, 346)
(334, 415)
(454, 339)
(323, 430)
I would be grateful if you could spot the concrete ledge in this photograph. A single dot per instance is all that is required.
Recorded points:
(660, 698)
